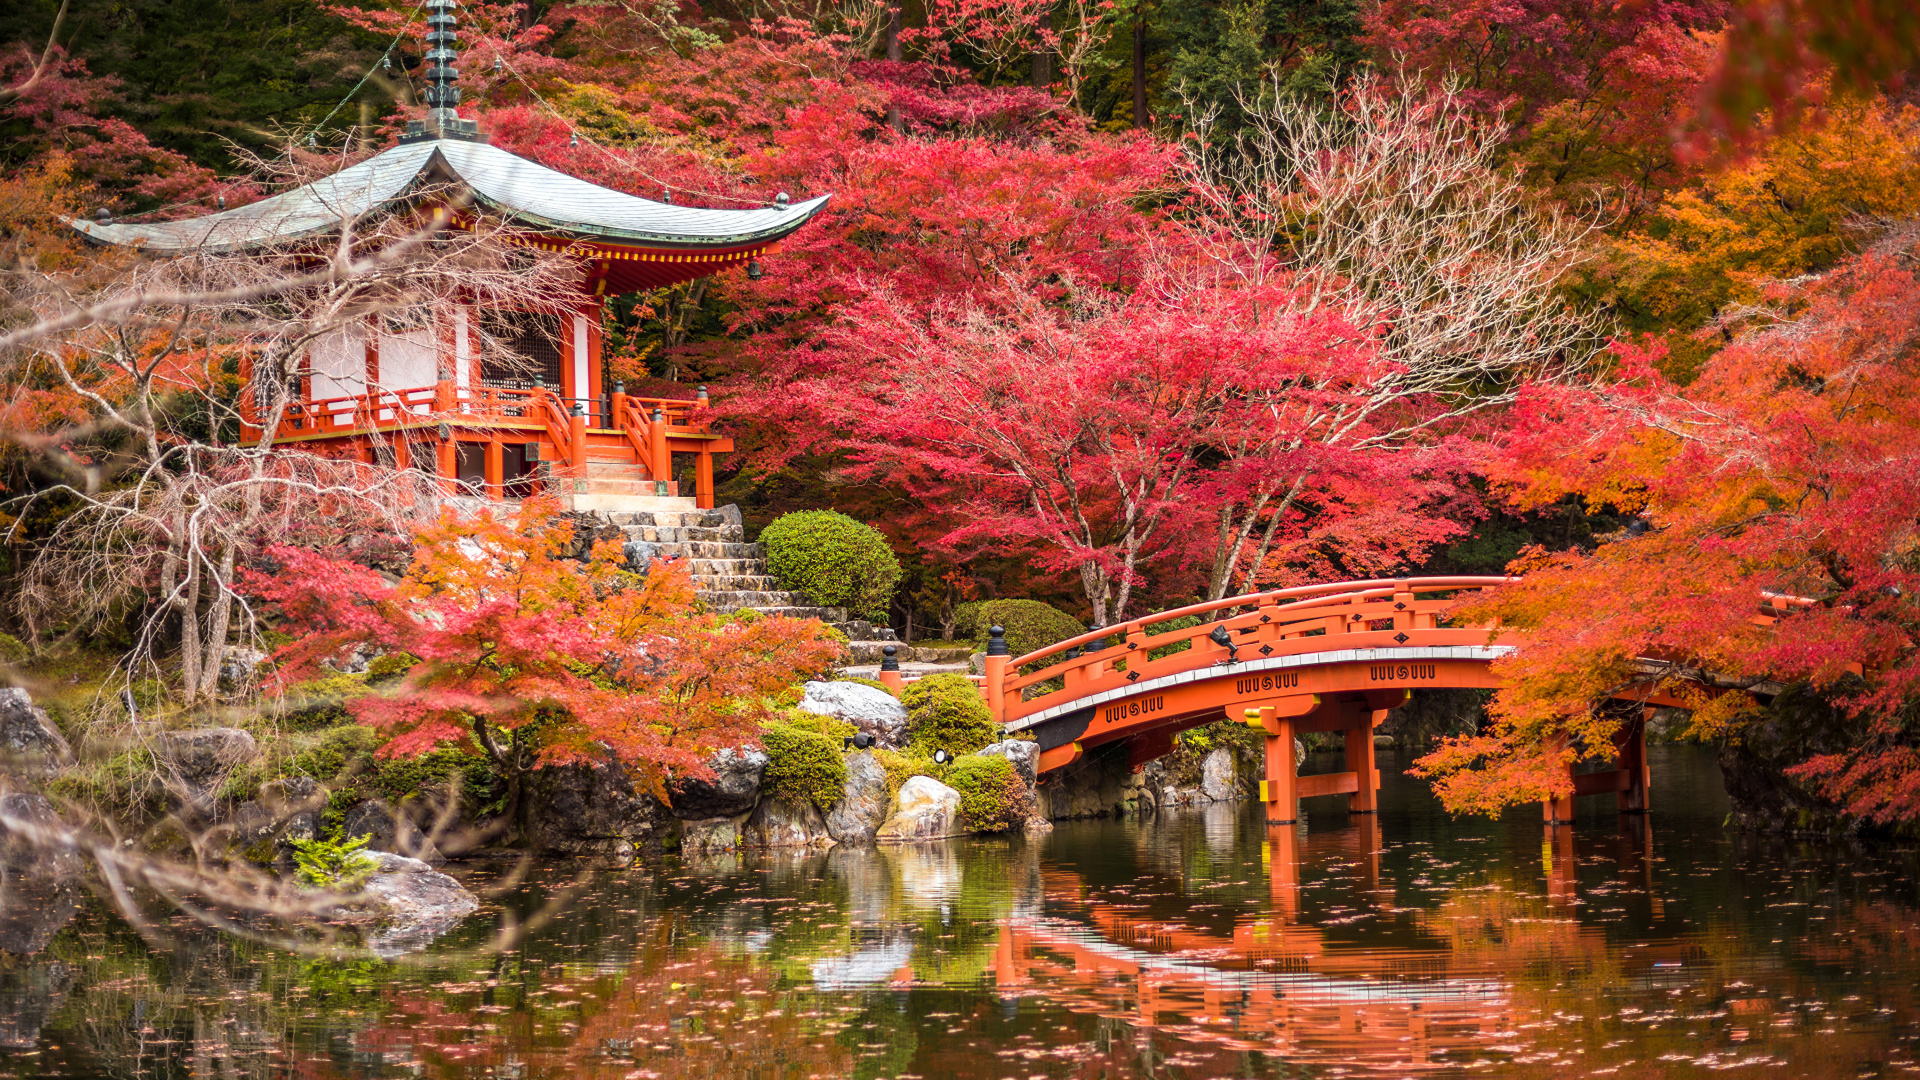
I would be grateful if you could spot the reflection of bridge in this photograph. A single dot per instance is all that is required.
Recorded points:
(1317, 658)
(1275, 985)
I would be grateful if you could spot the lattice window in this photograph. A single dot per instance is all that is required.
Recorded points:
(531, 347)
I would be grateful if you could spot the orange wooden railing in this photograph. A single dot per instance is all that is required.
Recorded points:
(1279, 620)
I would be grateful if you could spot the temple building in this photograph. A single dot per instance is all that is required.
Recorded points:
(425, 394)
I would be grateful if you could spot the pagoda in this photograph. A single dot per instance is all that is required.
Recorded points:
(424, 394)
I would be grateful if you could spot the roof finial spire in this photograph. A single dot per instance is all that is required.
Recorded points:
(442, 94)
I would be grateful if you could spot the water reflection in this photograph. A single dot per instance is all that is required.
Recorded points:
(1198, 944)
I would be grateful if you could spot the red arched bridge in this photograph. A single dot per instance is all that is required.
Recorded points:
(1330, 657)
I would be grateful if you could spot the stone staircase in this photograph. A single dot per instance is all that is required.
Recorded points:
(731, 574)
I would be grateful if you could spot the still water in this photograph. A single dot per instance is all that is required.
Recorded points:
(1195, 944)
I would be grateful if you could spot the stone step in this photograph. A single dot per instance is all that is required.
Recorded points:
(613, 485)
(797, 611)
(705, 519)
(704, 568)
(731, 600)
(736, 583)
(675, 534)
(610, 465)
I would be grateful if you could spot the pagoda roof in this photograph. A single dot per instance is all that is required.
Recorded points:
(501, 181)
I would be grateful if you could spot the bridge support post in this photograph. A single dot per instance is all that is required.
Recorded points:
(1633, 761)
(1360, 720)
(1280, 789)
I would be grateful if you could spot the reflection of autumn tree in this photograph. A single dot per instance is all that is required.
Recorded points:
(679, 1011)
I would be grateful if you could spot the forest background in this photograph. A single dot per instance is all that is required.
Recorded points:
(1106, 310)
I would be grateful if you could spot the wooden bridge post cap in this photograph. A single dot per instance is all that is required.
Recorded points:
(996, 641)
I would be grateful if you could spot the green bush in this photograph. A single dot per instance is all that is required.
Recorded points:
(1029, 624)
(947, 711)
(13, 650)
(966, 621)
(390, 667)
(321, 703)
(835, 560)
(802, 765)
(337, 865)
(903, 765)
(992, 796)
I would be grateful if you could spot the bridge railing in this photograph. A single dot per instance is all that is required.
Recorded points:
(1020, 686)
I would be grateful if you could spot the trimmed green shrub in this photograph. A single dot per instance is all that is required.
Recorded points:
(966, 621)
(903, 765)
(992, 796)
(1029, 624)
(803, 766)
(947, 711)
(13, 650)
(835, 560)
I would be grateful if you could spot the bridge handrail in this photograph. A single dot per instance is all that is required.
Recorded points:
(1318, 595)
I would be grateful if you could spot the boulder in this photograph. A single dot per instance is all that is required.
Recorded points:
(201, 758)
(1102, 782)
(867, 708)
(390, 830)
(1024, 755)
(734, 789)
(1218, 777)
(711, 835)
(288, 809)
(786, 823)
(928, 810)
(30, 995)
(862, 808)
(583, 809)
(28, 740)
(239, 667)
(40, 891)
(405, 904)
(639, 555)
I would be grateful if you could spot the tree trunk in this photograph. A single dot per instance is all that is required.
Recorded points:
(219, 620)
(1140, 68)
(894, 54)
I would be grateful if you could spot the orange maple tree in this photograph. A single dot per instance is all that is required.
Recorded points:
(1776, 497)
(540, 658)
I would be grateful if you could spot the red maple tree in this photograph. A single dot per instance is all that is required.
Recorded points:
(539, 658)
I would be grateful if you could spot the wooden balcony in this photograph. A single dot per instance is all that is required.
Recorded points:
(619, 444)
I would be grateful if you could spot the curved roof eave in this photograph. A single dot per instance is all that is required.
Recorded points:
(524, 190)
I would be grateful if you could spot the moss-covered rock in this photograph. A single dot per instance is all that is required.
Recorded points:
(946, 712)
(835, 560)
(992, 796)
(802, 765)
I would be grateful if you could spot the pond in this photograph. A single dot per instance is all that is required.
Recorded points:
(1195, 944)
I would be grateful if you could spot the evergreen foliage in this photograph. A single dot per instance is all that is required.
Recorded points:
(1029, 624)
(992, 796)
(337, 865)
(803, 765)
(946, 712)
(835, 560)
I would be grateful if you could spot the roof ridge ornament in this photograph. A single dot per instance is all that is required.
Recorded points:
(443, 95)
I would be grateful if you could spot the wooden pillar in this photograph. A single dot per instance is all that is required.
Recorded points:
(1556, 855)
(1559, 811)
(657, 436)
(447, 464)
(496, 468)
(1359, 732)
(994, 666)
(402, 451)
(1280, 789)
(1633, 760)
(1283, 867)
(703, 481)
(577, 435)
